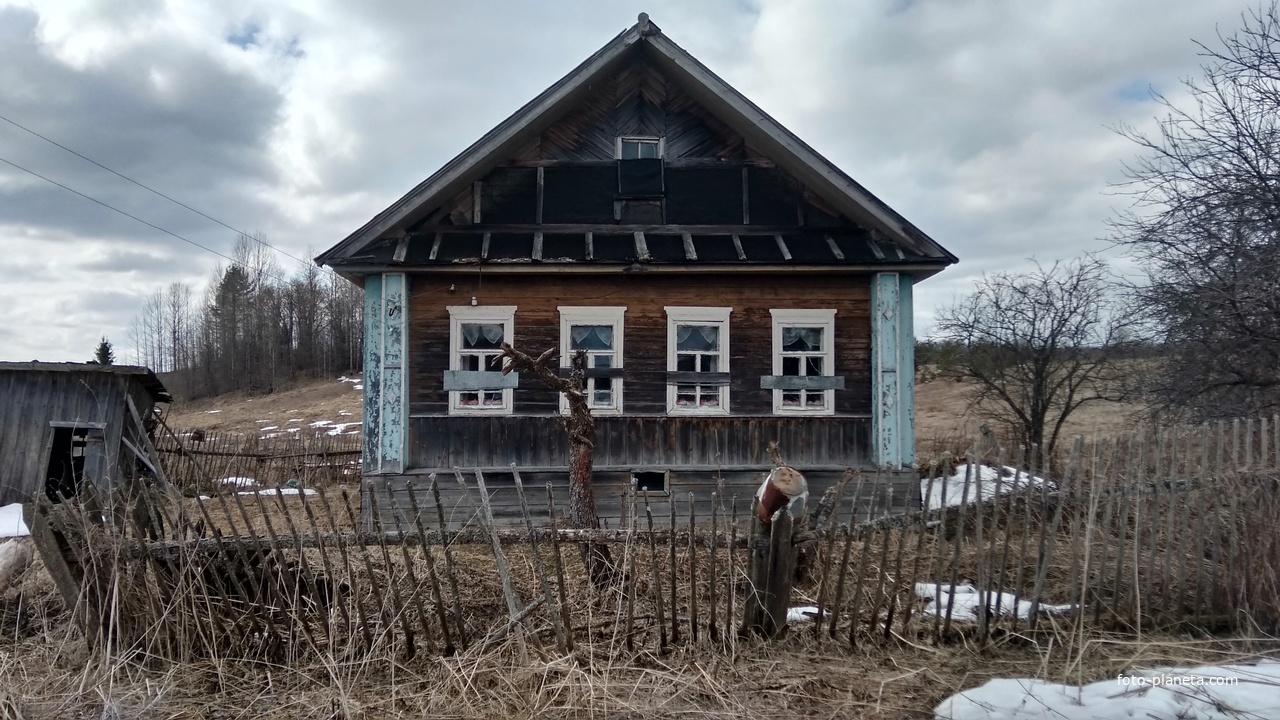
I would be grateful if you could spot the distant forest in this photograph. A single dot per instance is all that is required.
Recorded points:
(254, 330)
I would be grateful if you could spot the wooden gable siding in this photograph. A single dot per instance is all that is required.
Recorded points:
(537, 327)
(638, 100)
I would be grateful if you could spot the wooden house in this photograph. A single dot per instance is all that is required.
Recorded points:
(729, 285)
(64, 424)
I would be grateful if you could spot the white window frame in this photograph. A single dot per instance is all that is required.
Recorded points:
(662, 144)
(580, 315)
(459, 314)
(824, 319)
(698, 316)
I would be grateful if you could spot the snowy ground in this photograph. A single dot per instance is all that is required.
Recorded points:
(1215, 692)
(11, 524)
(982, 484)
(967, 600)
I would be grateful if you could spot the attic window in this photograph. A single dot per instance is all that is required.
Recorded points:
(640, 148)
(640, 167)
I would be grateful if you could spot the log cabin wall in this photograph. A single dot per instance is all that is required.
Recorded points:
(537, 328)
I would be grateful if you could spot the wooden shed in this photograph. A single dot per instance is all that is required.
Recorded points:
(63, 424)
(730, 287)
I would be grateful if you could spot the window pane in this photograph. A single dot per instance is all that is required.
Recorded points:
(687, 363)
(801, 339)
(813, 365)
(815, 398)
(791, 398)
(469, 398)
(469, 362)
(686, 394)
(648, 150)
(697, 338)
(591, 337)
(493, 398)
(480, 336)
(630, 150)
(602, 361)
(790, 366)
(710, 363)
(603, 397)
(709, 396)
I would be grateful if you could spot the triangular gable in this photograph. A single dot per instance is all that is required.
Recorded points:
(708, 90)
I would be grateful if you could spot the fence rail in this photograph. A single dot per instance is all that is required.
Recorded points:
(1163, 527)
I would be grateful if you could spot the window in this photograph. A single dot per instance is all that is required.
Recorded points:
(803, 347)
(697, 360)
(597, 331)
(651, 481)
(640, 173)
(476, 335)
(640, 148)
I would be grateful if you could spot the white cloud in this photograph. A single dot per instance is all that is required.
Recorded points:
(986, 122)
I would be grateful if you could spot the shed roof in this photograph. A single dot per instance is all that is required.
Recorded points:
(735, 110)
(143, 375)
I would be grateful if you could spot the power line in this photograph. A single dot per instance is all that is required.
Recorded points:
(131, 216)
(148, 188)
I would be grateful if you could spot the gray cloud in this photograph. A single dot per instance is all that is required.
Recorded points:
(986, 123)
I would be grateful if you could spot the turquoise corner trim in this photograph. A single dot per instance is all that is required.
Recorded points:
(906, 371)
(372, 427)
(392, 416)
(892, 370)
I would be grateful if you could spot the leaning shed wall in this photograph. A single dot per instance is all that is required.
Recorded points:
(32, 400)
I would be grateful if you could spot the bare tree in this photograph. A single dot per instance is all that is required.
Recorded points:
(580, 424)
(1205, 229)
(1039, 346)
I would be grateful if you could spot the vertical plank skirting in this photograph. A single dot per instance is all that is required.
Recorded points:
(892, 370)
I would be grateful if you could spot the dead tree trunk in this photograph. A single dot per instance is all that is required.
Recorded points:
(581, 427)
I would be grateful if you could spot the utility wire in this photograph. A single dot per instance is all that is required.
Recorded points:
(149, 189)
(135, 217)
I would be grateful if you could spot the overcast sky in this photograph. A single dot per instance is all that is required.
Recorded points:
(987, 123)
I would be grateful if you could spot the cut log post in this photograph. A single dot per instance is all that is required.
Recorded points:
(772, 572)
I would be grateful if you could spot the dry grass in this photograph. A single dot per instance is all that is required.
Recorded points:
(240, 412)
(48, 673)
(943, 411)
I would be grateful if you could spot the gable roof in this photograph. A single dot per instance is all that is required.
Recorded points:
(769, 137)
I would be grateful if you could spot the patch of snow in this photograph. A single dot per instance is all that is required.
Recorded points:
(321, 423)
(338, 428)
(202, 498)
(270, 427)
(343, 412)
(295, 419)
(346, 379)
(1210, 692)
(292, 429)
(986, 478)
(271, 435)
(238, 482)
(357, 387)
(210, 412)
(283, 491)
(801, 614)
(11, 524)
(968, 600)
